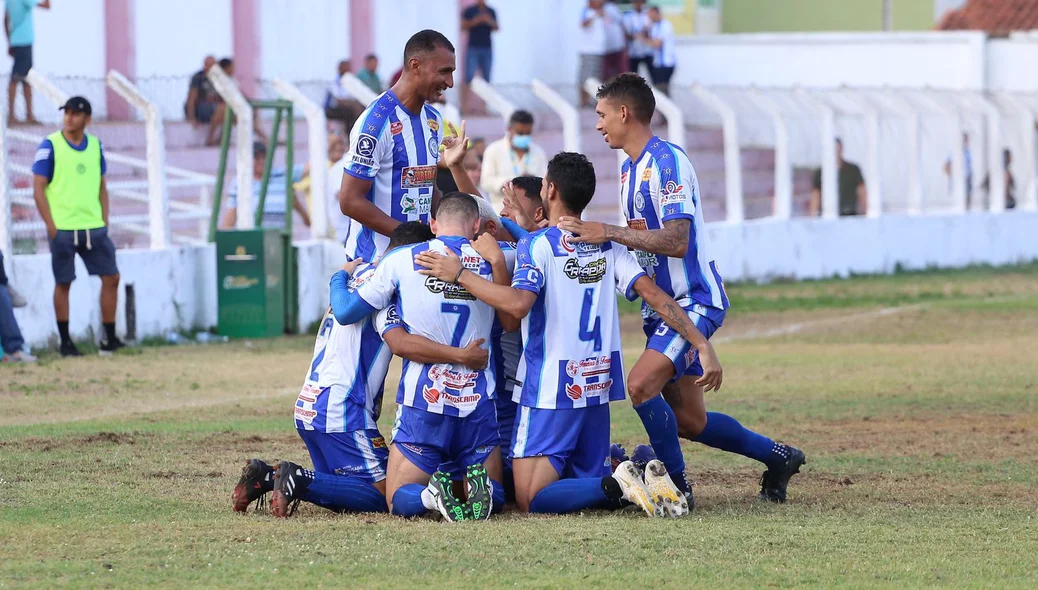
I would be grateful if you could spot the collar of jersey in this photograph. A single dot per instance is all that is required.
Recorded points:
(635, 163)
(396, 99)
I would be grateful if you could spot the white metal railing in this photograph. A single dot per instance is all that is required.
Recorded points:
(675, 118)
(317, 136)
(732, 160)
(830, 199)
(494, 100)
(569, 114)
(1028, 149)
(952, 132)
(783, 207)
(236, 102)
(5, 188)
(358, 89)
(43, 85)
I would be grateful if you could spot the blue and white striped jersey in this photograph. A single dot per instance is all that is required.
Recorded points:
(343, 388)
(444, 313)
(398, 151)
(572, 359)
(661, 185)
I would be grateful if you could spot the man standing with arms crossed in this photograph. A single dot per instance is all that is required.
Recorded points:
(659, 195)
(394, 149)
(69, 188)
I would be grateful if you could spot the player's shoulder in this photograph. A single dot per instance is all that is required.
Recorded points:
(374, 121)
(432, 112)
(362, 274)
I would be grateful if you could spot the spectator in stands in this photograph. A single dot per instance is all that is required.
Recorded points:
(661, 39)
(473, 168)
(204, 105)
(11, 341)
(479, 147)
(274, 205)
(336, 150)
(339, 104)
(369, 75)
(480, 21)
(853, 196)
(71, 196)
(592, 45)
(614, 62)
(513, 155)
(227, 65)
(636, 28)
(18, 23)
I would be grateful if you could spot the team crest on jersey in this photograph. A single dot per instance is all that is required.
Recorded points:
(574, 391)
(571, 368)
(639, 201)
(366, 145)
(396, 127)
(592, 272)
(434, 146)
(433, 125)
(646, 175)
(565, 243)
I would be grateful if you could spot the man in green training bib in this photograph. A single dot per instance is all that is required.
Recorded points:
(70, 193)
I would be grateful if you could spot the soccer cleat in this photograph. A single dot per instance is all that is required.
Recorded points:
(642, 455)
(107, 348)
(68, 349)
(668, 497)
(19, 356)
(452, 509)
(617, 455)
(257, 478)
(289, 485)
(634, 489)
(480, 492)
(775, 480)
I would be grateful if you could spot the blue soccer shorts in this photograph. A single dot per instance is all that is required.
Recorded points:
(361, 453)
(430, 440)
(664, 340)
(576, 440)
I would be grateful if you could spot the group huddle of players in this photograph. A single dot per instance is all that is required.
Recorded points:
(508, 327)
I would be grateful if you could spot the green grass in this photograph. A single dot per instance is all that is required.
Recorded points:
(921, 429)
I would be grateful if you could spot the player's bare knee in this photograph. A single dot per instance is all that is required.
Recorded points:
(690, 424)
(641, 388)
(110, 281)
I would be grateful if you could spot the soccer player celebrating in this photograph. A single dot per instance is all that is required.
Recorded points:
(394, 149)
(446, 411)
(338, 408)
(571, 365)
(660, 199)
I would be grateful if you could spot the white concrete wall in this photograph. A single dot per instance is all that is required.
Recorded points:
(176, 289)
(953, 60)
(303, 41)
(396, 21)
(203, 27)
(1011, 64)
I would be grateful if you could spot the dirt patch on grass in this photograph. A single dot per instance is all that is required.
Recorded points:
(59, 443)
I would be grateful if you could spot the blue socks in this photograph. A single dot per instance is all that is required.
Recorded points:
(662, 427)
(342, 494)
(407, 501)
(570, 495)
(497, 491)
(725, 433)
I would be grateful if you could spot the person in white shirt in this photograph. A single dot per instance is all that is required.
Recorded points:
(339, 104)
(513, 155)
(636, 26)
(613, 63)
(592, 45)
(661, 39)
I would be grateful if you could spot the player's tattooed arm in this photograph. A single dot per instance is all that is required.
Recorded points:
(677, 319)
(422, 350)
(672, 240)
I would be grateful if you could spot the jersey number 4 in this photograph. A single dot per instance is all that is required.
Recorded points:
(590, 333)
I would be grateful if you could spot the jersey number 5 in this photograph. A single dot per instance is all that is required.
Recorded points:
(590, 333)
(463, 321)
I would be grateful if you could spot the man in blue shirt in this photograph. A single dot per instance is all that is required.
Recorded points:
(20, 36)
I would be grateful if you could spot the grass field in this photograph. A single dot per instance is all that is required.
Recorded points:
(915, 397)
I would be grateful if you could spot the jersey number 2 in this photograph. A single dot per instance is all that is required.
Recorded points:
(590, 333)
(463, 321)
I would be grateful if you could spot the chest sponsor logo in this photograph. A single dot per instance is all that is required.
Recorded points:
(623, 178)
(417, 177)
(574, 391)
(418, 205)
(647, 175)
(592, 272)
(433, 125)
(396, 127)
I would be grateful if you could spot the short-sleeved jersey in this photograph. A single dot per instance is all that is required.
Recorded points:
(507, 346)
(442, 312)
(397, 151)
(572, 354)
(659, 186)
(349, 366)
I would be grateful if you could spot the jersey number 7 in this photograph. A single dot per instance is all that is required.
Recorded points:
(463, 320)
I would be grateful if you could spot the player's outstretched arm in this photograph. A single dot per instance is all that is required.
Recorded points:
(353, 203)
(487, 247)
(347, 306)
(454, 149)
(514, 302)
(675, 317)
(671, 241)
(422, 350)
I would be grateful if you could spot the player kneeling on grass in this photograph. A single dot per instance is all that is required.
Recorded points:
(446, 412)
(571, 365)
(337, 410)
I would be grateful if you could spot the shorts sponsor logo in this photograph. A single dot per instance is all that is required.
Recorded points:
(691, 356)
(574, 391)
(592, 272)
(418, 177)
(484, 450)
(414, 449)
(351, 470)
(378, 442)
(396, 127)
(366, 145)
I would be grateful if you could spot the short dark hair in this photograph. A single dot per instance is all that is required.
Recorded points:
(424, 42)
(531, 185)
(259, 149)
(370, 56)
(520, 117)
(226, 63)
(574, 177)
(633, 91)
(410, 232)
(458, 205)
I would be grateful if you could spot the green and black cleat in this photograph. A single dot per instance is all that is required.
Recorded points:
(480, 491)
(452, 509)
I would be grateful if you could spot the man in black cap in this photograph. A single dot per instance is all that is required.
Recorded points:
(72, 199)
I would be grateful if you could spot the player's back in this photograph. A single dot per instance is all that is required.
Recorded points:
(397, 151)
(343, 387)
(660, 186)
(572, 353)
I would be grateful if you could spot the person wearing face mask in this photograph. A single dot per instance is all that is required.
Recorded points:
(513, 155)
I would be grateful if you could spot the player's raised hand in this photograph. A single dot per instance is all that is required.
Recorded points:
(514, 210)
(352, 265)
(446, 268)
(711, 379)
(455, 147)
(588, 232)
(474, 356)
(486, 246)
